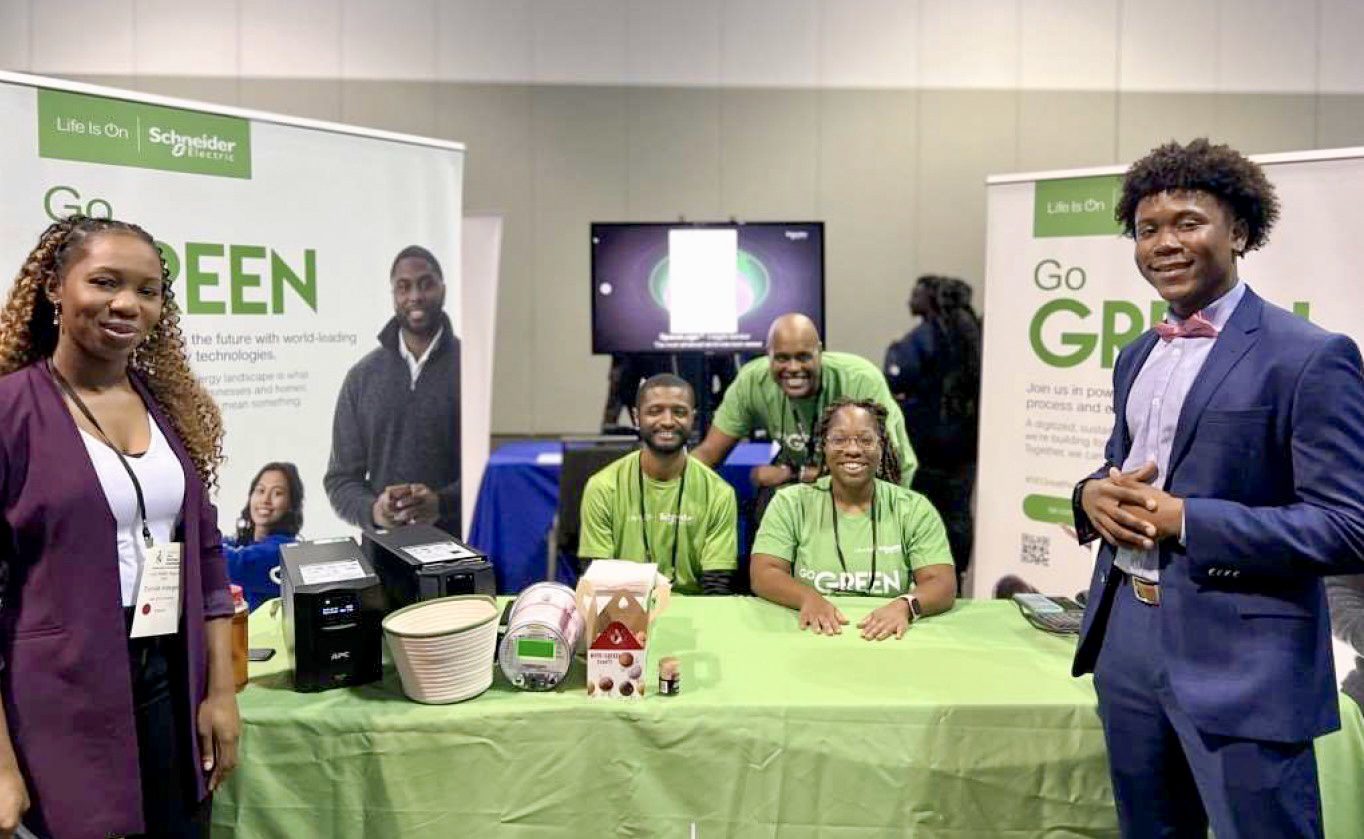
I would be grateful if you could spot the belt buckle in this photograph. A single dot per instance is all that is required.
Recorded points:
(1146, 591)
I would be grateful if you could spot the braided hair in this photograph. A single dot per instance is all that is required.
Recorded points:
(957, 324)
(28, 334)
(888, 469)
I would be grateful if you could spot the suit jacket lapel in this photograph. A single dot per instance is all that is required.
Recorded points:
(1127, 376)
(1237, 337)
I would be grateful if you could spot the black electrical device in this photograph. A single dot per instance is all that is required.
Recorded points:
(422, 562)
(1057, 615)
(333, 604)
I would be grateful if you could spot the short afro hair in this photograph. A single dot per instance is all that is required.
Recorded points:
(1219, 170)
(664, 380)
(417, 252)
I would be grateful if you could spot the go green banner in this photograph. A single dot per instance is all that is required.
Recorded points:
(95, 129)
(1076, 207)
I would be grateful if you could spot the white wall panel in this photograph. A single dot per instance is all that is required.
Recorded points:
(1169, 45)
(72, 37)
(579, 42)
(483, 40)
(1068, 44)
(14, 34)
(298, 39)
(968, 44)
(1340, 48)
(674, 43)
(389, 39)
(769, 43)
(185, 38)
(869, 43)
(1268, 46)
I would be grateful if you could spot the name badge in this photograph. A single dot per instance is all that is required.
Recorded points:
(157, 607)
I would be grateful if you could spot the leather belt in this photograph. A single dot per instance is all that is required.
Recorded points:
(1145, 590)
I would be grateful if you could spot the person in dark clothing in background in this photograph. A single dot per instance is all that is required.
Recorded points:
(622, 387)
(396, 434)
(934, 373)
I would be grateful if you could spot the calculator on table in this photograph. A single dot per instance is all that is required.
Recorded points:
(1057, 615)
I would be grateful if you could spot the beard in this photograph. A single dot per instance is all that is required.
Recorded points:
(650, 439)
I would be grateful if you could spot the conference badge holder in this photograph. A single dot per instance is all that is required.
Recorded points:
(157, 609)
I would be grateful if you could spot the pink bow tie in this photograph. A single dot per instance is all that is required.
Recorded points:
(1194, 326)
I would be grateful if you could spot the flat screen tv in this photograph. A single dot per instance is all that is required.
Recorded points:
(679, 287)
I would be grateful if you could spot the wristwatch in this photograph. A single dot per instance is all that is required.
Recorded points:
(915, 610)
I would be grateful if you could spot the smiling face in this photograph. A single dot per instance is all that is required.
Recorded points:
(418, 295)
(269, 499)
(852, 447)
(1186, 247)
(111, 296)
(793, 360)
(665, 418)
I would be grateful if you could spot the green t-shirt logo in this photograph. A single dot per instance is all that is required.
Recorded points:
(854, 582)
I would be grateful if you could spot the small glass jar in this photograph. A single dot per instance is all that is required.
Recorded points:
(239, 636)
(669, 677)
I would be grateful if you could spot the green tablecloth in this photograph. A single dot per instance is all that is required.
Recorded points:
(969, 726)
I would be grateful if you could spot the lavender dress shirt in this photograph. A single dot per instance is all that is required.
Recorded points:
(1154, 405)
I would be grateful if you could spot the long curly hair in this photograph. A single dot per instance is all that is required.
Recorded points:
(888, 469)
(28, 334)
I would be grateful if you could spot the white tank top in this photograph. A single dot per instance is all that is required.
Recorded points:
(163, 489)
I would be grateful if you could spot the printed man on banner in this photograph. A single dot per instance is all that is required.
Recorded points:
(396, 434)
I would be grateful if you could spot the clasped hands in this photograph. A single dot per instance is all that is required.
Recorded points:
(1128, 511)
(402, 504)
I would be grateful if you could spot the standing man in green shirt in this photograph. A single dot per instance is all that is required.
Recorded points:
(660, 505)
(787, 392)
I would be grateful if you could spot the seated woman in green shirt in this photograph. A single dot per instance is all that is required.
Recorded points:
(854, 531)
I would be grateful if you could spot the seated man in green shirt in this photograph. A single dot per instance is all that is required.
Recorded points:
(787, 392)
(855, 530)
(659, 505)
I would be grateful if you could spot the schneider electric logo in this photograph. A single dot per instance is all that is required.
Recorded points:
(118, 132)
(205, 146)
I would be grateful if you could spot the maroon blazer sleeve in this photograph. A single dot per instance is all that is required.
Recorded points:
(4, 532)
(212, 563)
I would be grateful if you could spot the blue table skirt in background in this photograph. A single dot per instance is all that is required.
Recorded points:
(520, 495)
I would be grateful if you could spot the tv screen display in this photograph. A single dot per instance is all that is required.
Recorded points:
(685, 287)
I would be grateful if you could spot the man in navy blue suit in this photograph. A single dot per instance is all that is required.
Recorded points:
(1234, 482)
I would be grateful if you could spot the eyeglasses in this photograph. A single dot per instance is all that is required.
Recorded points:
(865, 442)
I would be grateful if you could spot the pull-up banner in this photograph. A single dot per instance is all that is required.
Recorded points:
(1063, 296)
(279, 235)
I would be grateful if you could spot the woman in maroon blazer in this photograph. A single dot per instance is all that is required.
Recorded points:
(108, 447)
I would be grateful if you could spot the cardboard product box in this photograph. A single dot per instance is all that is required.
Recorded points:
(619, 608)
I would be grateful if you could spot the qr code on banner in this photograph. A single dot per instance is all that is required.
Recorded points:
(1035, 550)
